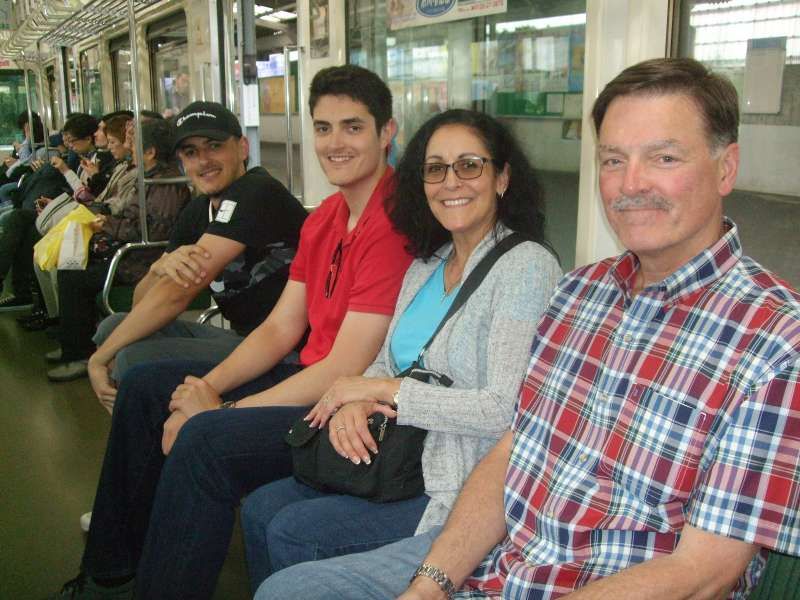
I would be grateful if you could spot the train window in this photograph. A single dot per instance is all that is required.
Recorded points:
(523, 64)
(120, 51)
(169, 56)
(90, 81)
(12, 94)
(757, 46)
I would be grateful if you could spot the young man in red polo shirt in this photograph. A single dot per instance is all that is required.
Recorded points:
(167, 520)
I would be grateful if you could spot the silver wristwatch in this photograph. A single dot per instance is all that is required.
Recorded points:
(439, 576)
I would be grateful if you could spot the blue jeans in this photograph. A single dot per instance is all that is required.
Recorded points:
(169, 520)
(286, 523)
(381, 574)
(187, 339)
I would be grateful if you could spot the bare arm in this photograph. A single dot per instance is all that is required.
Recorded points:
(475, 525)
(704, 565)
(358, 341)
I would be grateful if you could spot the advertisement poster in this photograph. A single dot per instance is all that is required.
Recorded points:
(413, 13)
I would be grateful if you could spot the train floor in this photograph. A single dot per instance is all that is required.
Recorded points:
(52, 439)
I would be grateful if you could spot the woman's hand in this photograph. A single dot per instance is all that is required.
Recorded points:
(97, 224)
(349, 433)
(351, 389)
(89, 167)
(181, 266)
(194, 396)
(59, 164)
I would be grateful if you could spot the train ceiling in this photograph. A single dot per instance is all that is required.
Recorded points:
(59, 23)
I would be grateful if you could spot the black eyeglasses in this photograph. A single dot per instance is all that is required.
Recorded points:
(333, 270)
(470, 167)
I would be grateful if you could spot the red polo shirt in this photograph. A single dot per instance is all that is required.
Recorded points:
(364, 276)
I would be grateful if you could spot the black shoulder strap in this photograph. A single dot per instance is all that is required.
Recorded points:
(474, 279)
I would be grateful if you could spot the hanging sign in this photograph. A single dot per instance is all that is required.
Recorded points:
(413, 13)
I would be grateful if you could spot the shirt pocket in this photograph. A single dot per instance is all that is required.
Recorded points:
(654, 448)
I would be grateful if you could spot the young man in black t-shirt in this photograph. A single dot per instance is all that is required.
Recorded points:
(246, 228)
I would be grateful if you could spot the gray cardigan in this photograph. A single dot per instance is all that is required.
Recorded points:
(484, 349)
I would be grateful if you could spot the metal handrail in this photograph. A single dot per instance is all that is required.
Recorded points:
(112, 268)
(166, 180)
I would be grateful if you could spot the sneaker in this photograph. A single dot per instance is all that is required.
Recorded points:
(68, 371)
(13, 303)
(86, 521)
(54, 356)
(83, 587)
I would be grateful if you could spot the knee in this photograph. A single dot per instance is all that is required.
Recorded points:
(106, 326)
(299, 581)
(193, 437)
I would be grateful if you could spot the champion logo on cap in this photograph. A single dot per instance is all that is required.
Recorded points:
(197, 115)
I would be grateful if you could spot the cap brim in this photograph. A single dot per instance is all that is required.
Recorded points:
(212, 134)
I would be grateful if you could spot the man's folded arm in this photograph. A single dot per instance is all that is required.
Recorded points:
(165, 300)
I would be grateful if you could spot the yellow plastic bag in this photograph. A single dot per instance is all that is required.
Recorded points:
(46, 250)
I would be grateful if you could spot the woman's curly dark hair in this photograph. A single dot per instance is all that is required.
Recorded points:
(521, 208)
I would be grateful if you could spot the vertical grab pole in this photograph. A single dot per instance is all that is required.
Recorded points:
(287, 99)
(45, 129)
(300, 102)
(137, 121)
(31, 132)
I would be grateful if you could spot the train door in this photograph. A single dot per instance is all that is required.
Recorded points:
(92, 89)
(171, 80)
(277, 73)
(120, 52)
(757, 45)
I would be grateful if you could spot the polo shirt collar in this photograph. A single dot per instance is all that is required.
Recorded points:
(700, 272)
(374, 206)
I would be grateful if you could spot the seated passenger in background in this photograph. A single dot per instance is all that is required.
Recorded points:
(463, 185)
(168, 521)
(656, 447)
(96, 166)
(246, 225)
(100, 139)
(117, 224)
(18, 161)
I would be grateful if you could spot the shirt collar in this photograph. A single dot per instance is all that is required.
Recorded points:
(701, 271)
(374, 206)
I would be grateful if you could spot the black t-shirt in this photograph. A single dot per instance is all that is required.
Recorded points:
(259, 212)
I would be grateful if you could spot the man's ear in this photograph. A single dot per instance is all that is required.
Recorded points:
(244, 147)
(728, 168)
(388, 131)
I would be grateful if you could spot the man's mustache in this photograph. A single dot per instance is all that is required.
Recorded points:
(624, 202)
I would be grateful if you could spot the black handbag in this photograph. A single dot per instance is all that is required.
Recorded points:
(395, 472)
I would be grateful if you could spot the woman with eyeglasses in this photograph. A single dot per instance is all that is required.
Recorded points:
(463, 184)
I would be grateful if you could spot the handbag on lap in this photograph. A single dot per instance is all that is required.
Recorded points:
(396, 470)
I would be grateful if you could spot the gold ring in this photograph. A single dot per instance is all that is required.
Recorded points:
(339, 428)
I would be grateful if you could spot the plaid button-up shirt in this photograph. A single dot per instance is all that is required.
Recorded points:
(640, 414)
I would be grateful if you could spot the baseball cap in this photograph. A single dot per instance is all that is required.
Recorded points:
(206, 119)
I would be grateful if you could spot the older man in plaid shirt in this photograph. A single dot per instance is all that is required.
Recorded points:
(655, 448)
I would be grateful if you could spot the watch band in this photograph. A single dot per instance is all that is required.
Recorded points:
(396, 399)
(438, 576)
(228, 404)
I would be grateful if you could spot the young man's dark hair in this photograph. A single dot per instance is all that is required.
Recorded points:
(158, 134)
(357, 83)
(38, 128)
(713, 94)
(80, 125)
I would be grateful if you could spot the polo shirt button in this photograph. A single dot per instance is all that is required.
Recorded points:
(551, 514)
(583, 457)
(627, 338)
(605, 397)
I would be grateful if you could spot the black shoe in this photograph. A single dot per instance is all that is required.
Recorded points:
(14, 303)
(32, 316)
(40, 323)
